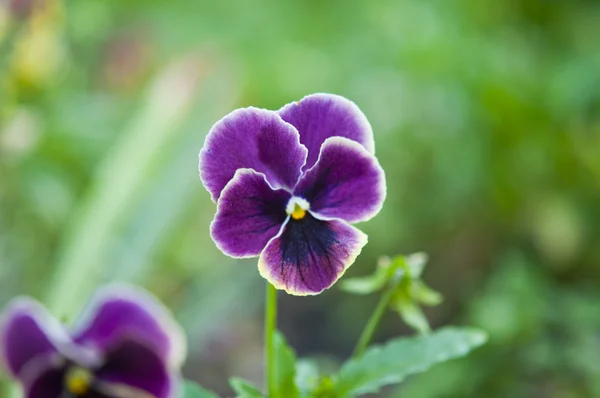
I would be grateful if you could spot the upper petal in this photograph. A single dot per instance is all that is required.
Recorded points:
(132, 366)
(320, 116)
(249, 214)
(310, 255)
(120, 312)
(251, 138)
(347, 182)
(27, 332)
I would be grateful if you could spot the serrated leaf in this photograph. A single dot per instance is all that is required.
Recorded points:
(193, 390)
(394, 361)
(285, 368)
(244, 389)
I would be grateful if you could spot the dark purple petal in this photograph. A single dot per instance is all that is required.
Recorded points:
(45, 379)
(117, 312)
(249, 214)
(347, 182)
(48, 385)
(99, 394)
(27, 331)
(133, 365)
(320, 116)
(310, 254)
(255, 139)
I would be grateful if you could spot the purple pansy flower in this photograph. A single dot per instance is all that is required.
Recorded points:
(125, 345)
(287, 186)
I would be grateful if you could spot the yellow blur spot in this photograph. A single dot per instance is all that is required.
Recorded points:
(78, 381)
(298, 213)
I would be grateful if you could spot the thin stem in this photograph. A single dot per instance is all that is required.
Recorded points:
(371, 326)
(270, 326)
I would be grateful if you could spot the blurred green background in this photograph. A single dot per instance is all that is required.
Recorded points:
(487, 121)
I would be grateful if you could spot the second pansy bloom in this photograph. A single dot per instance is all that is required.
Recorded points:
(126, 345)
(288, 184)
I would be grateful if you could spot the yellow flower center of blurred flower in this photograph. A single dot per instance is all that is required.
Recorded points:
(78, 381)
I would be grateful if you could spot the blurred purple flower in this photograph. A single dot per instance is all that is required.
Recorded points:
(126, 345)
(22, 9)
(288, 183)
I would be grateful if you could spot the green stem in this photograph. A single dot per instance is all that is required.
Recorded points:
(270, 326)
(371, 326)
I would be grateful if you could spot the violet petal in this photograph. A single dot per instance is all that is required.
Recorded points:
(27, 331)
(121, 311)
(347, 182)
(320, 116)
(134, 365)
(251, 138)
(249, 214)
(310, 255)
(46, 378)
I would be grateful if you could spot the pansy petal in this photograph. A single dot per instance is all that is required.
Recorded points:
(320, 116)
(309, 255)
(45, 379)
(251, 138)
(347, 182)
(122, 311)
(249, 214)
(48, 385)
(134, 366)
(99, 394)
(27, 331)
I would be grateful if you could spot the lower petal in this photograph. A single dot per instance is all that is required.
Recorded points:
(133, 366)
(249, 214)
(310, 255)
(47, 381)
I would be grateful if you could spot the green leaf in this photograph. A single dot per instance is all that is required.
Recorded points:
(365, 284)
(412, 315)
(416, 263)
(424, 294)
(285, 368)
(244, 389)
(193, 390)
(399, 358)
(370, 283)
(307, 377)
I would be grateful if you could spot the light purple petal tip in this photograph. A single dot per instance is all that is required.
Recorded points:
(347, 182)
(251, 138)
(320, 116)
(310, 255)
(249, 214)
(120, 312)
(27, 332)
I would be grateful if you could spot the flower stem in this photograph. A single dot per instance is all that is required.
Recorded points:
(270, 326)
(371, 326)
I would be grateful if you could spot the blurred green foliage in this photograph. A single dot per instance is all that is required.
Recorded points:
(487, 121)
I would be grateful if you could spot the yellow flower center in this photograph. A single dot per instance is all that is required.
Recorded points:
(298, 213)
(79, 381)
